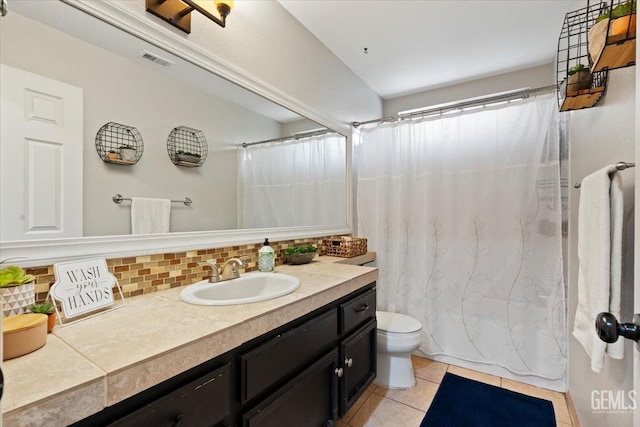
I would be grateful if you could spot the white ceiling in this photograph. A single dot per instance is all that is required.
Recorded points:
(420, 45)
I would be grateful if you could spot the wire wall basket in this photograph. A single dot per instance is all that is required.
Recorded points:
(578, 86)
(612, 35)
(187, 147)
(119, 144)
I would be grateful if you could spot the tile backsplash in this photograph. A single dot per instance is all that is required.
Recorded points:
(149, 273)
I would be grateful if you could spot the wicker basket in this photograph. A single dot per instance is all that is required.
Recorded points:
(345, 247)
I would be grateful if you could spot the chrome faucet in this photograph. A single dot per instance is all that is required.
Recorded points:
(215, 274)
(229, 269)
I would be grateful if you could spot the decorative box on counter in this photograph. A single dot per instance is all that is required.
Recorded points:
(345, 247)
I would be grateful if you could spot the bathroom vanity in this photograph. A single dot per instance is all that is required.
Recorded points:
(301, 359)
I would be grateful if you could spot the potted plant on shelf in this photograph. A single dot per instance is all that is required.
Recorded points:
(623, 18)
(185, 156)
(299, 255)
(17, 290)
(48, 309)
(128, 153)
(579, 78)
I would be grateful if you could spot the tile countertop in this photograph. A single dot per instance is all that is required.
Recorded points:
(103, 360)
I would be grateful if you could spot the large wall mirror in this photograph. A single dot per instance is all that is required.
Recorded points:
(140, 83)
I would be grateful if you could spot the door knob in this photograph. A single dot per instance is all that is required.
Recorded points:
(609, 329)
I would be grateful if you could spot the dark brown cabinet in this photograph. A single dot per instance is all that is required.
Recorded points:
(309, 400)
(349, 329)
(201, 403)
(358, 357)
(308, 373)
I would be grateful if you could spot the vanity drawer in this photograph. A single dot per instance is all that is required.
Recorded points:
(286, 355)
(357, 311)
(204, 402)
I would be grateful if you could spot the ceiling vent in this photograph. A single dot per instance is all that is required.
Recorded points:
(156, 59)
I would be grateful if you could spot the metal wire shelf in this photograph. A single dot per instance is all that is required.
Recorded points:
(578, 89)
(119, 144)
(187, 147)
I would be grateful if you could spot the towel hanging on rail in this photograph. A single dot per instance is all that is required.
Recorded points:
(600, 222)
(150, 215)
(620, 166)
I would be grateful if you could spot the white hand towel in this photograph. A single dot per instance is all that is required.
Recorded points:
(599, 255)
(150, 215)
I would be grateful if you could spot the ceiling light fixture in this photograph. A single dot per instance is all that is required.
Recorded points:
(178, 12)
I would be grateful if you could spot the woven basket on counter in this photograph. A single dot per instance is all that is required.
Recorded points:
(345, 247)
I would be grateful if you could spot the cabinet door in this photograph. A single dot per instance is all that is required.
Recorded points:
(358, 360)
(281, 358)
(204, 402)
(309, 400)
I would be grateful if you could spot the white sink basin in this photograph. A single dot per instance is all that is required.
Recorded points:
(249, 287)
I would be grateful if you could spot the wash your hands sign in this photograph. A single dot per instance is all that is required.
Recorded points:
(83, 286)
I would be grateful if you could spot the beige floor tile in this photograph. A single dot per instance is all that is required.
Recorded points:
(419, 397)
(474, 375)
(558, 399)
(358, 404)
(378, 411)
(428, 369)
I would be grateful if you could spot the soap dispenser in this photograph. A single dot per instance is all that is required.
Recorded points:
(266, 257)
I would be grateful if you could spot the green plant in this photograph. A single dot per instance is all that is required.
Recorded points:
(127, 147)
(577, 68)
(12, 275)
(619, 11)
(299, 250)
(44, 308)
(186, 153)
(112, 151)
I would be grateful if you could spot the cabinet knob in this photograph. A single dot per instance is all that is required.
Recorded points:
(348, 361)
(339, 372)
(609, 329)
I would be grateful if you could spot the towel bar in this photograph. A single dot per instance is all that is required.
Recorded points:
(118, 199)
(620, 166)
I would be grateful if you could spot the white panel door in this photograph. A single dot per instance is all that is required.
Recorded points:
(40, 157)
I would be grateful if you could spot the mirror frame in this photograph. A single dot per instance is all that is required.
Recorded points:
(48, 251)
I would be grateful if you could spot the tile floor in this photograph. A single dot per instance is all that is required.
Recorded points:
(382, 407)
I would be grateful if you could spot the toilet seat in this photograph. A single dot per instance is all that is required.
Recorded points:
(396, 323)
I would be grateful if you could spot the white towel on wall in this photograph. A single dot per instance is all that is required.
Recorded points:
(600, 218)
(150, 215)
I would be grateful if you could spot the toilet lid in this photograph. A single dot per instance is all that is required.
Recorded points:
(396, 322)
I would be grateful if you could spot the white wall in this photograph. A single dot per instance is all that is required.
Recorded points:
(600, 136)
(532, 77)
(262, 39)
(132, 93)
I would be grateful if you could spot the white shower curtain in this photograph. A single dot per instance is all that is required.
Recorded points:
(464, 213)
(293, 183)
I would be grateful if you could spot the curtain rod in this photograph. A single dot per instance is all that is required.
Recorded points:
(291, 138)
(525, 93)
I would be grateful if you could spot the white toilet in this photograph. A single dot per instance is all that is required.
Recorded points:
(398, 335)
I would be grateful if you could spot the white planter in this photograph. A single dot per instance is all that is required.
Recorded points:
(17, 299)
(128, 154)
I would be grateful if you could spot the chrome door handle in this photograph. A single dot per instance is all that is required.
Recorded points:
(339, 372)
(348, 361)
(609, 329)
